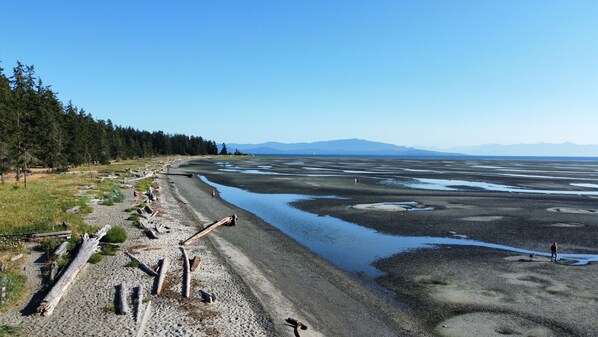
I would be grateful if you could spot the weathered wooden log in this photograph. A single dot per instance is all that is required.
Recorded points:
(53, 271)
(231, 221)
(162, 275)
(142, 265)
(50, 234)
(123, 306)
(88, 247)
(195, 262)
(186, 274)
(154, 214)
(146, 315)
(139, 303)
(61, 250)
(16, 257)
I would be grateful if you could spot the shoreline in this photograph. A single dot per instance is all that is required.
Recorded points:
(291, 281)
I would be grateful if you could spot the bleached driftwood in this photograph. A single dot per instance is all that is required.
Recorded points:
(230, 220)
(186, 274)
(139, 303)
(61, 250)
(144, 320)
(142, 265)
(16, 257)
(162, 275)
(88, 247)
(51, 234)
(123, 306)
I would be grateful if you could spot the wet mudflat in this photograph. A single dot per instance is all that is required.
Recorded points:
(522, 204)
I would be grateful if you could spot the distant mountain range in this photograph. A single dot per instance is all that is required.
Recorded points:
(361, 147)
(347, 147)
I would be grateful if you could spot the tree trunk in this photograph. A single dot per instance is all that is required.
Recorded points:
(123, 306)
(88, 247)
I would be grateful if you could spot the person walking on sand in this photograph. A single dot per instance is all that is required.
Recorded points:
(553, 252)
(213, 193)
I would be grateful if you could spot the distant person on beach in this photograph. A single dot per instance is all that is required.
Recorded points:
(553, 252)
(213, 193)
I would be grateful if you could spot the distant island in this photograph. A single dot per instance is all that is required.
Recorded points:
(361, 147)
(342, 147)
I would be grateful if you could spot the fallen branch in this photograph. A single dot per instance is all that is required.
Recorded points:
(88, 247)
(142, 265)
(231, 221)
(207, 297)
(297, 324)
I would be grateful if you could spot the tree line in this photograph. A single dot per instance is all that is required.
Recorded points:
(36, 128)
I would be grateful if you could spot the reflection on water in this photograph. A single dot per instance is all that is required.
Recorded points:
(456, 185)
(349, 246)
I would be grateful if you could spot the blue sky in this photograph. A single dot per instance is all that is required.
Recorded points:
(417, 73)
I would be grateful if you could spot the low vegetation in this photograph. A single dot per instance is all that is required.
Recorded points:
(116, 234)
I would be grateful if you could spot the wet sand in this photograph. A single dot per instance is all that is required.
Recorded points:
(447, 289)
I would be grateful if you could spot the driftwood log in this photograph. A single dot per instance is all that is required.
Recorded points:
(139, 303)
(39, 236)
(61, 250)
(186, 274)
(230, 221)
(144, 320)
(162, 275)
(142, 265)
(123, 307)
(88, 247)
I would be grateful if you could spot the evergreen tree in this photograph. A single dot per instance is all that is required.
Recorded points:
(223, 151)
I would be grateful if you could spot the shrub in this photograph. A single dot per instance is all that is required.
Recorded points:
(95, 258)
(106, 250)
(111, 197)
(116, 234)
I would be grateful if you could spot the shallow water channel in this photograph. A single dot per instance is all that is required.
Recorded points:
(349, 246)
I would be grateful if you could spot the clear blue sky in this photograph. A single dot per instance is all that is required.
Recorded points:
(418, 73)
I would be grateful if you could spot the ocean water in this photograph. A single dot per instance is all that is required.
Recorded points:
(349, 246)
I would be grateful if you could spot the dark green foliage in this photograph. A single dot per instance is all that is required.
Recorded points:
(107, 250)
(116, 234)
(50, 245)
(36, 128)
(223, 151)
(134, 217)
(111, 197)
(7, 330)
(95, 258)
(133, 264)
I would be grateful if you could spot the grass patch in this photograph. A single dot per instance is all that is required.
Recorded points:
(144, 184)
(95, 258)
(116, 234)
(111, 251)
(134, 217)
(133, 264)
(7, 330)
(16, 287)
(113, 196)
